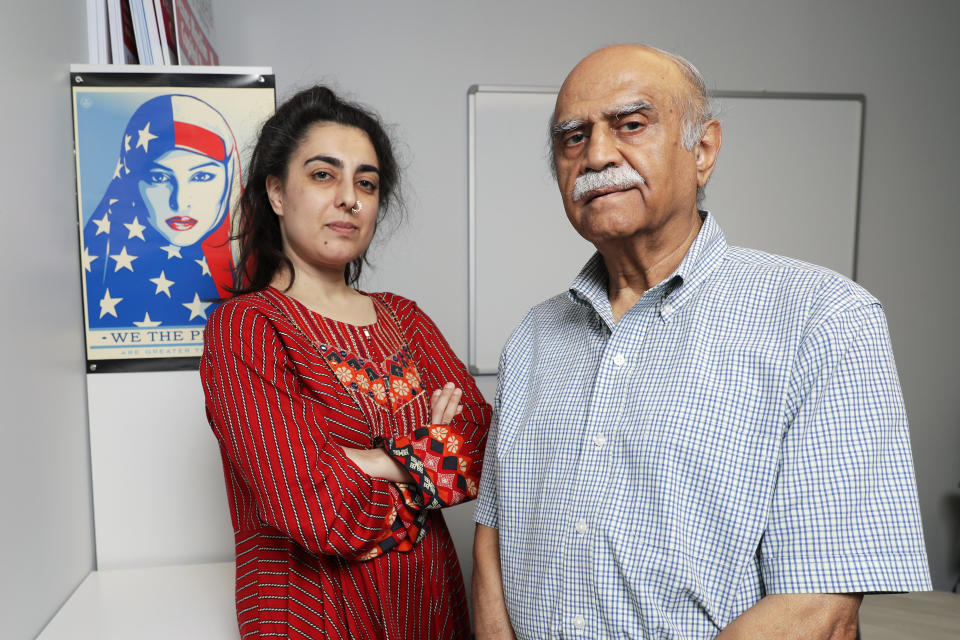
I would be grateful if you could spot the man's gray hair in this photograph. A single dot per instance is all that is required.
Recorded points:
(694, 106)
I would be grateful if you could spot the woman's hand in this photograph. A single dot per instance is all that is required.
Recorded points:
(445, 404)
(444, 407)
(377, 463)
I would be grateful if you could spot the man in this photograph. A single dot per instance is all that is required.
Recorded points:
(697, 440)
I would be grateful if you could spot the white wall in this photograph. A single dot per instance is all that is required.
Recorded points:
(46, 545)
(414, 61)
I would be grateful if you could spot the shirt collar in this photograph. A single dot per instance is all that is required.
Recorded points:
(703, 256)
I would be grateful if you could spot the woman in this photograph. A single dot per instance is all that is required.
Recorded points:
(158, 239)
(344, 419)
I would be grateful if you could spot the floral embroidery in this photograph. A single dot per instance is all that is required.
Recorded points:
(344, 373)
(453, 443)
(391, 386)
(434, 455)
(400, 387)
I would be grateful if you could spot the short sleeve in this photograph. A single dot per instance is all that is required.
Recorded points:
(486, 512)
(844, 516)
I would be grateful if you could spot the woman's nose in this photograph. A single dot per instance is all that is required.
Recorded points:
(347, 195)
(174, 196)
(177, 200)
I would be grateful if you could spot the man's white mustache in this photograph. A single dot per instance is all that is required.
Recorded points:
(620, 177)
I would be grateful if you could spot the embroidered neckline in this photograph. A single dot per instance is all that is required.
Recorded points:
(391, 386)
(391, 383)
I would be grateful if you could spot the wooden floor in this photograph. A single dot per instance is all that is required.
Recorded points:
(931, 615)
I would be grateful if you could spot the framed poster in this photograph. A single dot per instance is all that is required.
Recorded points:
(159, 170)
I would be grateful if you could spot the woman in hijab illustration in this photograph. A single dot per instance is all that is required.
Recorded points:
(155, 251)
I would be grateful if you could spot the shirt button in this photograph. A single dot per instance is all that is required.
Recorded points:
(666, 307)
(619, 360)
(600, 439)
(579, 621)
(581, 527)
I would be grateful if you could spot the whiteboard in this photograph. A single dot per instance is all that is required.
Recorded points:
(787, 181)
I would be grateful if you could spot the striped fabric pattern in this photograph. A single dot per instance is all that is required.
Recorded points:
(739, 432)
(306, 519)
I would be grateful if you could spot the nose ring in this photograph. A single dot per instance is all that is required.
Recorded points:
(357, 208)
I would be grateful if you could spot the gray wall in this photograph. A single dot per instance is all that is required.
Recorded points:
(46, 541)
(414, 61)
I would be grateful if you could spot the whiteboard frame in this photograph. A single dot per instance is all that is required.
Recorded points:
(472, 355)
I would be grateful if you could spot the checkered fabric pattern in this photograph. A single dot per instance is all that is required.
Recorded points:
(739, 432)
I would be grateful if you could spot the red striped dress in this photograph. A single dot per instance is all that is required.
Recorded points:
(324, 550)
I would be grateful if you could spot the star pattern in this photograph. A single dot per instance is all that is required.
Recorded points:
(87, 259)
(123, 259)
(108, 305)
(135, 229)
(204, 269)
(144, 137)
(103, 224)
(131, 280)
(198, 308)
(146, 323)
(163, 285)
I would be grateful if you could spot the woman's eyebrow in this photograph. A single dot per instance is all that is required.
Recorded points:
(337, 162)
(205, 164)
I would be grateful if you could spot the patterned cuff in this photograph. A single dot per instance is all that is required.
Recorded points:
(407, 523)
(434, 456)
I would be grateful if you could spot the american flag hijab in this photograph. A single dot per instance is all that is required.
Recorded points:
(156, 249)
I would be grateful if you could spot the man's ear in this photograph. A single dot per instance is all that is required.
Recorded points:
(707, 150)
(275, 194)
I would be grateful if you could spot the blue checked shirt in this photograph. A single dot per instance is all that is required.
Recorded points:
(739, 432)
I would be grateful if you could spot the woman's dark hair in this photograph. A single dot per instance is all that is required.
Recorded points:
(261, 245)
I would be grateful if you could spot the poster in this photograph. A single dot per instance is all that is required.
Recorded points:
(194, 22)
(160, 161)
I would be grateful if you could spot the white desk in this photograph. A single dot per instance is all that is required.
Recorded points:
(931, 615)
(184, 601)
(196, 601)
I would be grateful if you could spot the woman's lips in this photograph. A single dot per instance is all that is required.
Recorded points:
(180, 223)
(342, 227)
